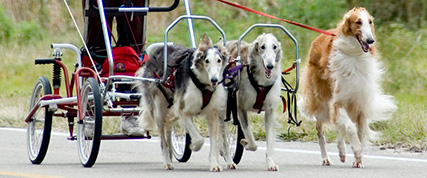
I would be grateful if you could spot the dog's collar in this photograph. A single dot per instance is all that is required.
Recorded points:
(261, 90)
(206, 93)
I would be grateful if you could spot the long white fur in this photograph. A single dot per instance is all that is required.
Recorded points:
(357, 97)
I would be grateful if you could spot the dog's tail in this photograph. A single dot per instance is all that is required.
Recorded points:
(381, 109)
(303, 110)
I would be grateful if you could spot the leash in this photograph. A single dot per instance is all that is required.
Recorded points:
(274, 17)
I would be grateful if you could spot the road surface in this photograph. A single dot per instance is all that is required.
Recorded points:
(142, 158)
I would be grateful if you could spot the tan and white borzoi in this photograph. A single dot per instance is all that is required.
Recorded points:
(341, 84)
(259, 88)
(195, 91)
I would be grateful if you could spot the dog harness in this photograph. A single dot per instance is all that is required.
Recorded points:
(206, 93)
(262, 91)
(169, 81)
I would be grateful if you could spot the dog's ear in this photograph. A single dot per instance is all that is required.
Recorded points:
(205, 43)
(256, 46)
(279, 52)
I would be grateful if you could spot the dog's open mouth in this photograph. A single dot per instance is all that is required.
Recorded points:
(268, 73)
(364, 45)
(214, 84)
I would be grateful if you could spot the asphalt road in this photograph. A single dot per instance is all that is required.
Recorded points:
(142, 158)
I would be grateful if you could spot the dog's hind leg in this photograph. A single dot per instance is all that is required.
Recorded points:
(321, 118)
(160, 113)
(345, 123)
(249, 141)
(341, 143)
(270, 128)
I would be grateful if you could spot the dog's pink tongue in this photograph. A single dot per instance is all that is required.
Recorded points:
(365, 47)
(268, 73)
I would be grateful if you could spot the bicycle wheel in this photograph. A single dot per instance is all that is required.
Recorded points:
(180, 143)
(40, 125)
(89, 128)
(234, 135)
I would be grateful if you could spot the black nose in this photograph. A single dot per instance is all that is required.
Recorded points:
(370, 40)
(214, 80)
(270, 66)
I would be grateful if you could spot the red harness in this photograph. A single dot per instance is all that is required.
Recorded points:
(262, 91)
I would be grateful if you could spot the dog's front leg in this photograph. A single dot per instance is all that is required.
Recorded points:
(197, 140)
(215, 140)
(345, 123)
(270, 129)
(225, 149)
(249, 141)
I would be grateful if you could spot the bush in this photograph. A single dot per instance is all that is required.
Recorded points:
(6, 26)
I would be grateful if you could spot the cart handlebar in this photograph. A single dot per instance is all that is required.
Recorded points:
(136, 9)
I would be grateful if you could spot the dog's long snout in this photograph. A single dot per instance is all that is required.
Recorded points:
(270, 66)
(370, 40)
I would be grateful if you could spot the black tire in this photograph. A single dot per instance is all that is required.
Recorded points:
(40, 126)
(89, 129)
(234, 136)
(180, 143)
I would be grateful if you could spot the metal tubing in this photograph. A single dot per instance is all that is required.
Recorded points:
(71, 47)
(57, 101)
(133, 9)
(165, 61)
(124, 95)
(134, 78)
(106, 37)
(190, 24)
(289, 34)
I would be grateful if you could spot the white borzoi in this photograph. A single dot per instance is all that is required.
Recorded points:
(259, 88)
(195, 91)
(341, 84)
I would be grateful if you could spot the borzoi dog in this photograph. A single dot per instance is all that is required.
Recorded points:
(341, 84)
(194, 90)
(259, 88)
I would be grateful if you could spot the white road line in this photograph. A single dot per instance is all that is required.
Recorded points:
(261, 148)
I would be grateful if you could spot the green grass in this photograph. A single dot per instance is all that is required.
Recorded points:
(403, 52)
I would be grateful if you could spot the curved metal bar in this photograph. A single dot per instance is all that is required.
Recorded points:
(289, 34)
(165, 61)
(137, 9)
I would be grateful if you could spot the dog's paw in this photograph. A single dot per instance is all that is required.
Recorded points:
(273, 167)
(326, 162)
(232, 166)
(216, 168)
(357, 164)
(249, 147)
(168, 166)
(197, 145)
(342, 158)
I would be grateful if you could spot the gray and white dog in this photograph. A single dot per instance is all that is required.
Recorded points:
(194, 90)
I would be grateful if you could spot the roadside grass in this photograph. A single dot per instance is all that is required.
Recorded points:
(403, 52)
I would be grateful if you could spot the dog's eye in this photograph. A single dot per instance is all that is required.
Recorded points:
(206, 61)
(370, 21)
(274, 47)
(359, 22)
(263, 47)
(219, 60)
